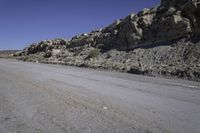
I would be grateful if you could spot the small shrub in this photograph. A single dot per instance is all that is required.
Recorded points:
(47, 54)
(27, 58)
(93, 53)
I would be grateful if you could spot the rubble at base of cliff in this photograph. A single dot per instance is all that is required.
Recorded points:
(163, 40)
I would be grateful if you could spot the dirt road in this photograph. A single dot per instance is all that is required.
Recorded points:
(39, 98)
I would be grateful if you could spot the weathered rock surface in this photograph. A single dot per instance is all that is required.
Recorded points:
(163, 40)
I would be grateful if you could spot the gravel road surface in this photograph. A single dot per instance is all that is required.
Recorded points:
(40, 98)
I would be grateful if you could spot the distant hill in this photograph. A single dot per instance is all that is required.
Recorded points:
(7, 53)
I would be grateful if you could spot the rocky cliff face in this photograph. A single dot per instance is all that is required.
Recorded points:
(163, 40)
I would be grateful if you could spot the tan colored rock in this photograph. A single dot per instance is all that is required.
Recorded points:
(55, 52)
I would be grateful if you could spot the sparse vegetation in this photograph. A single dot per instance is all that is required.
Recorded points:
(47, 54)
(93, 53)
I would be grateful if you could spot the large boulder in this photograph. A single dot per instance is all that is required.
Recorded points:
(189, 8)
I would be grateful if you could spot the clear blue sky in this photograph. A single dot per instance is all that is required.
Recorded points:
(23, 22)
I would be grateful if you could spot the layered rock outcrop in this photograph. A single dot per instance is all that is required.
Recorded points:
(163, 40)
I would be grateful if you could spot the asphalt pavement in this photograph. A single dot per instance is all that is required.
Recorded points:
(41, 98)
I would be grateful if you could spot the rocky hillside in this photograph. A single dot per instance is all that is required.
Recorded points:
(163, 40)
